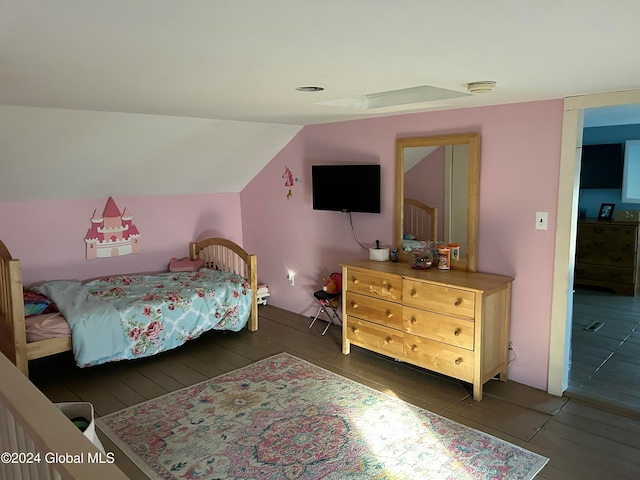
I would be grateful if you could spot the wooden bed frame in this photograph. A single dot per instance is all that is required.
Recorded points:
(217, 253)
(420, 220)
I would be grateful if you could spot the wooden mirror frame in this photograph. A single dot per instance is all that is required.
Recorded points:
(473, 142)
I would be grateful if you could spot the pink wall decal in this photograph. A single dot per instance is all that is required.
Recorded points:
(112, 234)
(288, 177)
(289, 180)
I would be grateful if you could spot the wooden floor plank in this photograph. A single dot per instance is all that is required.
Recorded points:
(609, 452)
(502, 416)
(157, 376)
(579, 461)
(143, 385)
(606, 418)
(621, 436)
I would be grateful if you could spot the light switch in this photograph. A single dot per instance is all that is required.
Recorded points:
(541, 220)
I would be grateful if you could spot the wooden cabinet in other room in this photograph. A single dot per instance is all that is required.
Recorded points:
(607, 255)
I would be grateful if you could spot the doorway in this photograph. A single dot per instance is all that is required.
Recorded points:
(563, 298)
(605, 349)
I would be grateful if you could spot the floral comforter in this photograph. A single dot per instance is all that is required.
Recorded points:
(127, 317)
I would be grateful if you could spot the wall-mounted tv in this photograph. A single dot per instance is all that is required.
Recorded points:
(602, 166)
(346, 188)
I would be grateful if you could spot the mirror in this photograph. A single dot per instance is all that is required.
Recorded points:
(442, 172)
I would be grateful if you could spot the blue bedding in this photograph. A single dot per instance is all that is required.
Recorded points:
(127, 317)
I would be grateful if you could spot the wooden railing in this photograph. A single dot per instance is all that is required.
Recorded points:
(37, 442)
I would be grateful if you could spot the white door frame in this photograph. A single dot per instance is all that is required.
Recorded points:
(566, 226)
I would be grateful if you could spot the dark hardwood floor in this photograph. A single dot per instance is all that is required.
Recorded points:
(582, 441)
(605, 357)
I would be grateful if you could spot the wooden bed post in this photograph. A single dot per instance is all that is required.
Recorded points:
(13, 339)
(253, 281)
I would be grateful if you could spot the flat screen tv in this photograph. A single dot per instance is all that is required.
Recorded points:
(602, 166)
(346, 188)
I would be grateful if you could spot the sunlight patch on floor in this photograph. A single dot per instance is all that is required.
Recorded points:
(397, 432)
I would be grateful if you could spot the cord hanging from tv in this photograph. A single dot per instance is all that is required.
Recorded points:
(346, 188)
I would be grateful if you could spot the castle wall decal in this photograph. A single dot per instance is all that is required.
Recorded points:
(112, 234)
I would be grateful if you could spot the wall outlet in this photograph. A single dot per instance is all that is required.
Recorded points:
(291, 277)
(510, 346)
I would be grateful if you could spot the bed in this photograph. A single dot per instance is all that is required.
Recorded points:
(420, 224)
(217, 254)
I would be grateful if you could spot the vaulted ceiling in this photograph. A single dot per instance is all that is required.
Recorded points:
(241, 61)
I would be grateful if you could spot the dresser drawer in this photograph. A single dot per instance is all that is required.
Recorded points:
(439, 357)
(439, 299)
(612, 258)
(442, 328)
(600, 245)
(375, 284)
(372, 336)
(604, 274)
(607, 237)
(382, 312)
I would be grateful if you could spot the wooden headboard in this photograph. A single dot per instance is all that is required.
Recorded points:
(420, 220)
(226, 255)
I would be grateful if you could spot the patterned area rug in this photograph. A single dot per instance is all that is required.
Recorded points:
(284, 418)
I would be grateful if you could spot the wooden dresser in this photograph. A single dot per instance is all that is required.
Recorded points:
(452, 322)
(607, 255)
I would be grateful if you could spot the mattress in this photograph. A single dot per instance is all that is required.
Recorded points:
(48, 325)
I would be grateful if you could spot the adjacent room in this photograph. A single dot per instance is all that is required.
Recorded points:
(252, 239)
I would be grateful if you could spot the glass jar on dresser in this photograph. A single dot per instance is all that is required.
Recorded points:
(452, 322)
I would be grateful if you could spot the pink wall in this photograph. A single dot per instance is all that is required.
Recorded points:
(519, 176)
(48, 236)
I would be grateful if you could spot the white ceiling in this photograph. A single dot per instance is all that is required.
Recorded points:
(241, 60)
(137, 90)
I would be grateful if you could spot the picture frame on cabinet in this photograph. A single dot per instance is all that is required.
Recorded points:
(606, 211)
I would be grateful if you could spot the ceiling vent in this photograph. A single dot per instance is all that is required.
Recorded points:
(392, 98)
(481, 87)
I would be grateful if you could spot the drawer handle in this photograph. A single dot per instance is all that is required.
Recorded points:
(389, 314)
(414, 294)
(388, 339)
(354, 329)
(414, 348)
(458, 302)
(354, 305)
(413, 320)
(355, 281)
(458, 361)
(457, 332)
